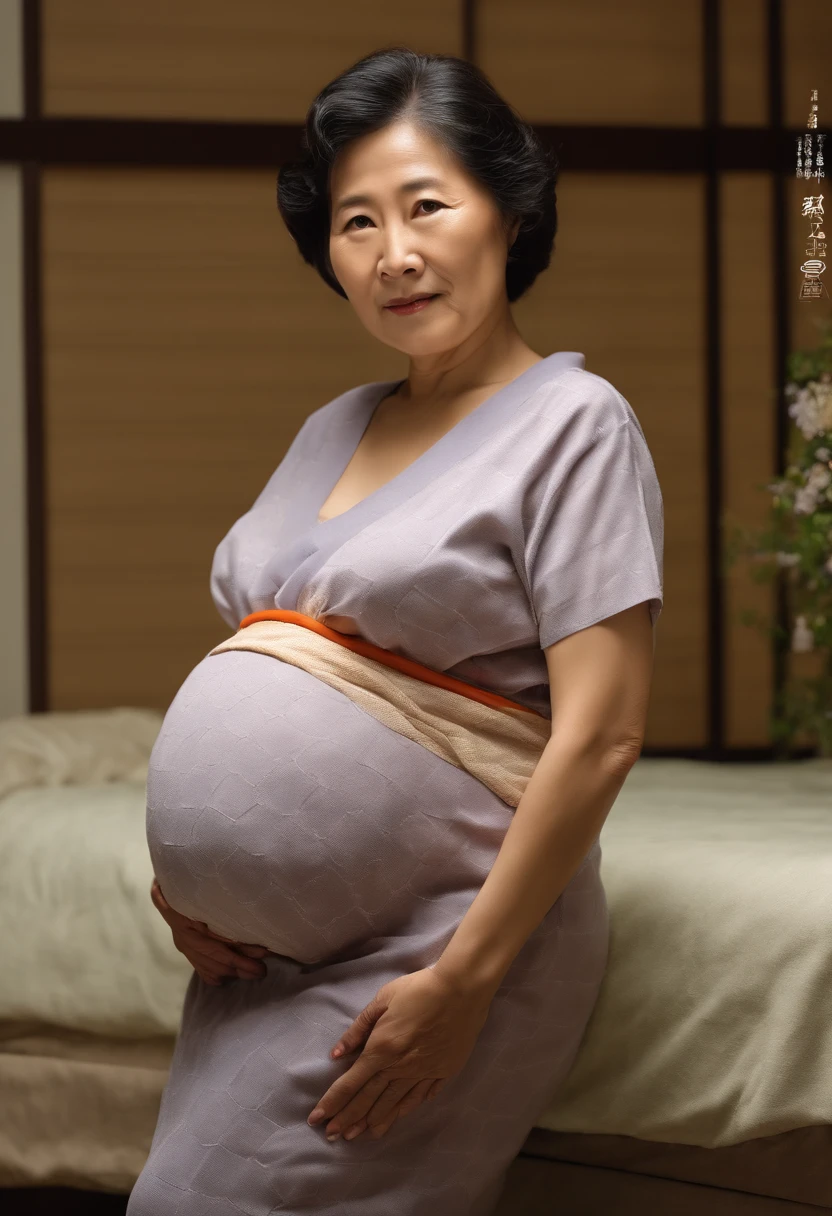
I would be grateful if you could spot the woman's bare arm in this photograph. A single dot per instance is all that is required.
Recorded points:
(600, 689)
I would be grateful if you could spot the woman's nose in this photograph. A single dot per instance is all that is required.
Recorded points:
(398, 254)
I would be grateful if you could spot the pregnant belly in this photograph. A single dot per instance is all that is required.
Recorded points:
(281, 813)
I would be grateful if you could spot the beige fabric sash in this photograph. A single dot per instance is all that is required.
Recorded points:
(499, 745)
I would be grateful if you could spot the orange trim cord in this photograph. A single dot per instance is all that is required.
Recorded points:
(371, 651)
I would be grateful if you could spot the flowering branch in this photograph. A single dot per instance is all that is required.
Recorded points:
(796, 545)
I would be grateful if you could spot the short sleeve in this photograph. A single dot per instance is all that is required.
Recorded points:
(594, 529)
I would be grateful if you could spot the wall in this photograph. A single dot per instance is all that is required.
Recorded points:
(14, 679)
(184, 341)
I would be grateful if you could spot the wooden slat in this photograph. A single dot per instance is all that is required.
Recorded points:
(175, 302)
(250, 59)
(748, 409)
(604, 62)
(626, 288)
(744, 77)
(807, 62)
(185, 342)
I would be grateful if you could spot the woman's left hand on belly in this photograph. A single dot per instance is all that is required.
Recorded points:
(212, 957)
(418, 1032)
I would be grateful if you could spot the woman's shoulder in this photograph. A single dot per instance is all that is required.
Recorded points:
(580, 417)
(580, 395)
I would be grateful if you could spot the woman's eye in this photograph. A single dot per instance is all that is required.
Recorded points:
(431, 202)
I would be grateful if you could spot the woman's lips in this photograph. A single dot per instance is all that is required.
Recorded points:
(405, 309)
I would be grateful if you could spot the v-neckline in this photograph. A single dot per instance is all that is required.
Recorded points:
(527, 380)
(386, 391)
(292, 569)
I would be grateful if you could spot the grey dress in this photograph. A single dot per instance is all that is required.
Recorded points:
(281, 813)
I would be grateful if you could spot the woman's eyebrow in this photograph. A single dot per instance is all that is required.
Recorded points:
(418, 183)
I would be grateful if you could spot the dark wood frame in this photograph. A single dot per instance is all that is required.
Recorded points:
(36, 141)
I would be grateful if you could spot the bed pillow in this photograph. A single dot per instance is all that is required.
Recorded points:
(84, 948)
(76, 746)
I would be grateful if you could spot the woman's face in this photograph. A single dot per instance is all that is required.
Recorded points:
(405, 236)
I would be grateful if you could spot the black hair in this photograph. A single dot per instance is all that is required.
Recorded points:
(455, 103)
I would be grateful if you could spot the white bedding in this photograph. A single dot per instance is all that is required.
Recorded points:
(714, 1023)
(74, 747)
(83, 946)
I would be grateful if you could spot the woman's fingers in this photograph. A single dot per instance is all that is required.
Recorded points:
(247, 948)
(210, 976)
(388, 1101)
(160, 903)
(215, 981)
(218, 960)
(252, 951)
(413, 1098)
(372, 1103)
(226, 957)
(177, 920)
(201, 927)
(356, 1130)
(217, 956)
(158, 900)
(232, 964)
(377, 1132)
(209, 971)
(198, 960)
(357, 1106)
(378, 1128)
(244, 948)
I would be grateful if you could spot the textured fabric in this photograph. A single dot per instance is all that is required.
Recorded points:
(713, 1024)
(703, 864)
(79, 1110)
(83, 946)
(538, 514)
(280, 812)
(77, 746)
(498, 746)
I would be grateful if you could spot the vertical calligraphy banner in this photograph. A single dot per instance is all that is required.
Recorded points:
(810, 162)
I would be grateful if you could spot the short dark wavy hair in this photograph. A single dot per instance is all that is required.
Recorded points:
(453, 102)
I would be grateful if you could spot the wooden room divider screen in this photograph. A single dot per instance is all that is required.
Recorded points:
(176, 341)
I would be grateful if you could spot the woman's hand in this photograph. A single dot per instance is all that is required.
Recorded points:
(212, 957)
(419, 1030)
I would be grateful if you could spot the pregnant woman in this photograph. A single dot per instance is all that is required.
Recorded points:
(373, 813)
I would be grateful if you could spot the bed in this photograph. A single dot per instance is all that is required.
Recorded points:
(704, 1081)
